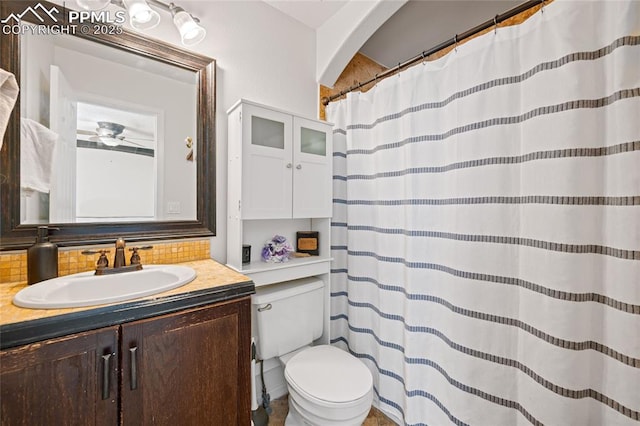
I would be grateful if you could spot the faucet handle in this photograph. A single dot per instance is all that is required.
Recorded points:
(90, 252)
(103, 262)
(135, 257)
(141, 248)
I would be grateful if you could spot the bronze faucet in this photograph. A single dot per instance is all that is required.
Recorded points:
(119, 263)
(118, 259)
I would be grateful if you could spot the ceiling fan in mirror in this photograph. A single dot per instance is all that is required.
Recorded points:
(110, 134)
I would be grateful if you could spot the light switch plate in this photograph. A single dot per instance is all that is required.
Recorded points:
(173, 207)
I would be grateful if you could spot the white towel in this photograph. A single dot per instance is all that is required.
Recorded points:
(36, 155)
(8, 95)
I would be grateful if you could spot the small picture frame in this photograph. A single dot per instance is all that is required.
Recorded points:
(308, 242)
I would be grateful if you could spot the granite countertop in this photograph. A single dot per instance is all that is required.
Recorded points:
(214, 283)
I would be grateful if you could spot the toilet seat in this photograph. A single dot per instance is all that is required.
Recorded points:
(327, 387)
(328, 376)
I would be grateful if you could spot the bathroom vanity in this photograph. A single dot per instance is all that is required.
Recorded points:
(180, 357)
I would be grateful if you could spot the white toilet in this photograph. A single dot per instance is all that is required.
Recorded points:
(327, 386)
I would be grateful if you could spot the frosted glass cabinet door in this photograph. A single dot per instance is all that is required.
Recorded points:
(267, 165)
(312, 151)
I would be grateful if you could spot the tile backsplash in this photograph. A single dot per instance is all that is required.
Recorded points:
(13, 265)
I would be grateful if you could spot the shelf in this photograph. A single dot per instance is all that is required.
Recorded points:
(263, 273)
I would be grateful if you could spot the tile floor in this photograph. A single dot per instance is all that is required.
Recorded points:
(280, 407)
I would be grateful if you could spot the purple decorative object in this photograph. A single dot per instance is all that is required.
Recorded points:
(277, 250)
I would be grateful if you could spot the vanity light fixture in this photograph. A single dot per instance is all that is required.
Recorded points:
(143, 17)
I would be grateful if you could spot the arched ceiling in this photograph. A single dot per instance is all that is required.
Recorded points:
(387, 31)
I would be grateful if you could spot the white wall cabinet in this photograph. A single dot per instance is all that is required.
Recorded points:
(279, 182)
(284, 168)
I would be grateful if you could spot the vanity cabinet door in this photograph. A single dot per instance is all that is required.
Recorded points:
(70, 380)
(188, 368)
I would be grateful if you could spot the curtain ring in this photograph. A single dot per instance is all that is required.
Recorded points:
(375, 80)
(542, 8)
(423, 57)
(495, 24)
(398, 71)
(455, 42)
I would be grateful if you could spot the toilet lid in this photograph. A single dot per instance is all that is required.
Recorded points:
(329, 374)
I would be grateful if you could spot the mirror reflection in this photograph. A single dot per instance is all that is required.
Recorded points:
(106, 135)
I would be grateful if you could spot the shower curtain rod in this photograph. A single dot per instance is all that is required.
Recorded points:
(453, 41)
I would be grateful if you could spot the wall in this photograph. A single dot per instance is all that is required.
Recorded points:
(342, 35)
(262, 55)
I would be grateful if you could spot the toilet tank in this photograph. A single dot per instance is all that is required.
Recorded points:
(287, 316)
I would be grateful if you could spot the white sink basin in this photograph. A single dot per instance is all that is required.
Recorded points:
(87, 289)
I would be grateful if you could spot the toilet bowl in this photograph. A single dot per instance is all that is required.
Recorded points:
(327, 386)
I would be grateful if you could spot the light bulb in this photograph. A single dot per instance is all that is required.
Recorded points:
(109, 141)
(93, 4)
(190, 32)
(141, 16)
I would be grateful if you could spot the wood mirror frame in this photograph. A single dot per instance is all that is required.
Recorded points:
(14, 235)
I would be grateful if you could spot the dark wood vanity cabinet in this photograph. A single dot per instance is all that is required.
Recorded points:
(60, 381)
(186, 368)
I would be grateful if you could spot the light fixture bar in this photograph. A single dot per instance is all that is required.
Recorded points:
(143, 17)
(159, 4)
(168, 7)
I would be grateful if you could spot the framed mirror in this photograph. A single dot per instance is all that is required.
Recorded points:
(113, 135)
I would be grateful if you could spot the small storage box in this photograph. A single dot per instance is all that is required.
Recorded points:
(307, 242)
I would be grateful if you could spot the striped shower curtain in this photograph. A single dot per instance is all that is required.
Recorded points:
(486, 229)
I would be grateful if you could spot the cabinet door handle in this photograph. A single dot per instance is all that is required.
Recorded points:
(106, 375)
(267, 307)
(289, 165)
(134, 368)
(299, 166)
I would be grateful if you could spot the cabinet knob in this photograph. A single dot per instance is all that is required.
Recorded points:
(299, 166)
(289, 165)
